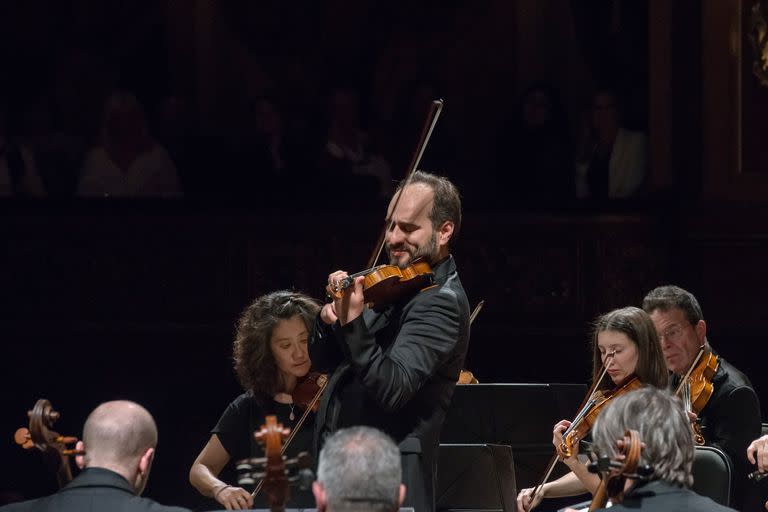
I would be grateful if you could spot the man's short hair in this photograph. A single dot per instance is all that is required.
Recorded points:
(664, 430)
(359, 468)
(668, 297)
(447, 201)
(118, 433)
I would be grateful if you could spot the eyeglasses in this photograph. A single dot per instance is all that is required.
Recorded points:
(671, 333)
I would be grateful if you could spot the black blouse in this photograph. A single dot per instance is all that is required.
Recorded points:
(247, 414)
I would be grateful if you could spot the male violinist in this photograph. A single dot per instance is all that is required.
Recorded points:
(396, 368)
(731, 417)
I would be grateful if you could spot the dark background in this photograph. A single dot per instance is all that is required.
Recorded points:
(137, 299)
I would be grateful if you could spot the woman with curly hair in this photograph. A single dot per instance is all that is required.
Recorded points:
(270, 356)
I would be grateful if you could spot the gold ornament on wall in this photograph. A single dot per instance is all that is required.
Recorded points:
(758, 37)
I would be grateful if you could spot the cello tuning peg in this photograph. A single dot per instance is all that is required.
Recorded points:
(23, 438)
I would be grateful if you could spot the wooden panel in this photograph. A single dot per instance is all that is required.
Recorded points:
(729, 119)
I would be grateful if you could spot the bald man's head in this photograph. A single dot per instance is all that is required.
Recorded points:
(118, 433)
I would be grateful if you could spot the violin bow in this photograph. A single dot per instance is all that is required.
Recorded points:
(426, 132)
(690, 370)
(579, 415)
(476, 311)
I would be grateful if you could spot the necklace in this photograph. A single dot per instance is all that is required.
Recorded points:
(285, 398)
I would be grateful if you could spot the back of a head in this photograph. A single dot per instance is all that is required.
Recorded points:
(116, 434)
(360, 470)
(664, 430)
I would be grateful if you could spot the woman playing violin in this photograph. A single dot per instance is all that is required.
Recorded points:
(624, 342)
(270, 357)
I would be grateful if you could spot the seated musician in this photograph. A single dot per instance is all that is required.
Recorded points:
(731, 417)
(667, 447)
(624, 341)
(359, 470)
(119, 439)
(270, 355)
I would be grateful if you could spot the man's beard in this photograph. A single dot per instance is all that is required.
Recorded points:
(427, 252)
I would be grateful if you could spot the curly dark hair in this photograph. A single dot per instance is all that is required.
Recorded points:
(255, 364)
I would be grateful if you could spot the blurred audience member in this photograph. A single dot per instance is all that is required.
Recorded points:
(612, 164)
(58, 155)
(129, 162)
(270, 156)
(534, 154)
(18, 172)
(347, 156)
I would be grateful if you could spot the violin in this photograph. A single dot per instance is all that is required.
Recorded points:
(53, 446)
(309, 390)
(696, 387)
(273, 469)
(467, 377)
(615, 472)
(385, 284)
(582, 423)
(593, 404)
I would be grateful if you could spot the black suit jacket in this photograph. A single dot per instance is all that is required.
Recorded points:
(730, 421)
(396, 370)
(93, 490)
(659, 496)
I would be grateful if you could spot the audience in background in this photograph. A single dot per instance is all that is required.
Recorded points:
(348, 157)
(534, 150)
(18, 173)
(129, 162)
(612, 159)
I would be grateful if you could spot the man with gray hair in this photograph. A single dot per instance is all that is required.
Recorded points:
(359, 470)
(119, 439)
(667, 448)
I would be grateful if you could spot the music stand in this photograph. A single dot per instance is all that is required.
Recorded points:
(475, 477)
(518, 415)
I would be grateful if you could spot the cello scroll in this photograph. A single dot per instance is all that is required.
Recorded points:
(54, 447)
